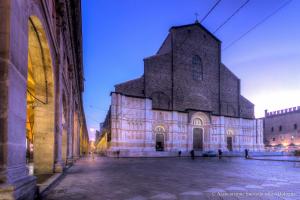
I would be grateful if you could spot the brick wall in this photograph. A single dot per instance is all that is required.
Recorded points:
(290, 126)
(187, 74)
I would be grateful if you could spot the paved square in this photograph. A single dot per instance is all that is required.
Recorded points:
(178, 178)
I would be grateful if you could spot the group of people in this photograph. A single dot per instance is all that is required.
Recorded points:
(220, 153)
(192, 153)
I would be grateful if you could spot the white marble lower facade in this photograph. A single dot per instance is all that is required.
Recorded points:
(135, 126)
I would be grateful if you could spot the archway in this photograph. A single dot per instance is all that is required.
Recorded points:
(159, 138)
(197, 134)
(40, 100)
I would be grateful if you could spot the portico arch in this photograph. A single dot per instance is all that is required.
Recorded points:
(40, 129)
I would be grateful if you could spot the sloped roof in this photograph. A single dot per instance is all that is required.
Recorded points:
(196, 24)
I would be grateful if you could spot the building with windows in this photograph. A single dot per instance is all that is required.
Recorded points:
(281, 129)
(186, 99)
(42, 122)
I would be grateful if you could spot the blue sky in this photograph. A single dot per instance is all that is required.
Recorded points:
(118, 34)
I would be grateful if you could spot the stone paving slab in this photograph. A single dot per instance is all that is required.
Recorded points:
(278, 158)
(178, 178)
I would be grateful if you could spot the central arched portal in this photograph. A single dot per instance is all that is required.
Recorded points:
(198, 139)
(159, 138)
(197, 123)
(229, 140)
(40, 100)
(159, 142)
(229, 143)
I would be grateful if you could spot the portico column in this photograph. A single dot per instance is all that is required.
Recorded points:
(76, 134)
(70, 129)
(58, 130)
(14, 179)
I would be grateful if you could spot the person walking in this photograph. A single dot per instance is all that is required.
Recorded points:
(246, 153)
(193, 154)
(118, 154)
(93, 156)
(220, 153)
(179, 153)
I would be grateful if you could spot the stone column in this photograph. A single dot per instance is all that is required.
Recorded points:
(14, 180)
(78, 138)
(70, 128)
(75, 135)
(58, 167)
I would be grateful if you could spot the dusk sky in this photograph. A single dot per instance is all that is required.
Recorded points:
(118, 34)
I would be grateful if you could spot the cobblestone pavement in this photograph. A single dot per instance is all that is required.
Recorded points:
(178, 178)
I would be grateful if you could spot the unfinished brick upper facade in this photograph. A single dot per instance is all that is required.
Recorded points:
(187, 75)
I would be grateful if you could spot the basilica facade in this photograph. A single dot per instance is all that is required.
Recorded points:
(185, 100)
(42, 123)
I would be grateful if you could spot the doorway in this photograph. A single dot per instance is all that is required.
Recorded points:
(229, 143)
(159, 145)
(198, 139)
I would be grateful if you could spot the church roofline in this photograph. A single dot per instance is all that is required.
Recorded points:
(129, 81)
(229, 70)
(165, 40)
(155, 56)
(196, 24)
(129, 95)
(245, 99)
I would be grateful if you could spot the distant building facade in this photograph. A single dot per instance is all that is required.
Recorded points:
(186, 99)
(282, 129)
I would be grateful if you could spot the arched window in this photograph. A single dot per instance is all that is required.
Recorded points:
(197, 122)
(197, 69)
(159, 129)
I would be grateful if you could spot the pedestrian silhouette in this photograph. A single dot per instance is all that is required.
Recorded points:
(220, 153)
(179, 153)
(246, 153)
(193, 154)
(118, 154)
(93, 156)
